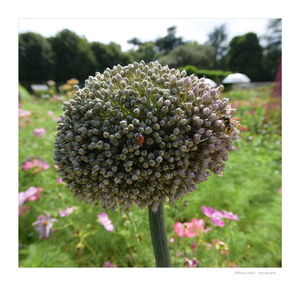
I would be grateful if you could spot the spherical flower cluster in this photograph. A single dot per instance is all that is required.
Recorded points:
(141, 134)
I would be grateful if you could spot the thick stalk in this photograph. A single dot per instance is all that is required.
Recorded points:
(159, 237)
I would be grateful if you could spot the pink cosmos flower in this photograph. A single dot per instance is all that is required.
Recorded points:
(35, 163)
(66, 212)
(178, 227)
(36, 196)
(27, 165)
(24, 195)
(214, 215)
(59, 181)
(232, 264)
(44, 225)
(172, 240)
(49, 112)
(24, 113)
(229, 215)
(109, 264)
(38, 132)
(190, 229)
(190, 263)
(105, 221)
(31, 194)
(196, 225)
(43, 165)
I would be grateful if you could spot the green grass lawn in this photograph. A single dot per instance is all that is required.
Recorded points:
(249, 188)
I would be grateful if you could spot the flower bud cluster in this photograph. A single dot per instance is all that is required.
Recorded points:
(178, 118)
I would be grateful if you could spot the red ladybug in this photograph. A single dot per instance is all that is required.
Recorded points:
(140, 139)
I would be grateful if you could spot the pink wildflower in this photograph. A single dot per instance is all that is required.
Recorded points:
(27, 165)
(109, 264)
(36, 196)
(232, 264)
(59, 181)
(44, 225)
(24, 195)
(190, 229)
(229, 215)
(105, 221)
(66, 212)
(38, 132)
(24, 113)
(43, 165)
(172, 240)
(214, 215)
(35, 163)
(194, 227)
(31, 194)
(178, 228)
(190, 263)
(50, 113)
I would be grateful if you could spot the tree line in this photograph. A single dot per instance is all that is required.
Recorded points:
(67, 55)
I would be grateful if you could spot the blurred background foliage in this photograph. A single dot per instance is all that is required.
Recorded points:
(67, 55)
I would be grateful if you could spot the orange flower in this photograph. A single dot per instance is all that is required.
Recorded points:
(73, 81)
(66, 87)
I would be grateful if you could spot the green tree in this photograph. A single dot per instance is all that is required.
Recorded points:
(218, 39)
(200, 56)
(169, 42)
(272, 50)
(73, 56)
(147, 51)
(134, 41)
(109, 55)
(36, 59)
(245, 56)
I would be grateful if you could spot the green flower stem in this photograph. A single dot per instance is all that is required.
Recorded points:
(159, 237)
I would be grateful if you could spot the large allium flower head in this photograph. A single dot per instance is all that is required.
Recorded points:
(177, 117)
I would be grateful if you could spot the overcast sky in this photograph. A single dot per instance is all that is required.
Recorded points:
(122, 30)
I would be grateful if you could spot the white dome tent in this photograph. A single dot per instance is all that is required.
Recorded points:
(210, 82)
(236, 78)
